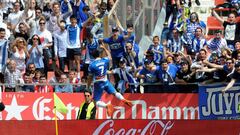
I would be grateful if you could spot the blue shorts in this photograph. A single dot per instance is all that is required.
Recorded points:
(99, 87)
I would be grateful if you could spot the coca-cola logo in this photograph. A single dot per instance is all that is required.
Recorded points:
(107, 128)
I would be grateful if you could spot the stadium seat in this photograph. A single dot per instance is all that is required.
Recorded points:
(217, 2)
(50, 75)
(238, 19)
(213, 23)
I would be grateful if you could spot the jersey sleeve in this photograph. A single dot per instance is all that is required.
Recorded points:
(106, 40)
(107, 60)
(121, 38)
(142, 72)
(202, 24)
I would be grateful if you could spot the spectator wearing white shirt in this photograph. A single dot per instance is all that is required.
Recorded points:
(56, 14)
(60, 45)
(34, 23)
(46, 41)
(14, 17)
(12, 76)
(217, 43)
(30, 9)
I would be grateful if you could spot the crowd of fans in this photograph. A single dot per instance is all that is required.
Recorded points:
(35, 35)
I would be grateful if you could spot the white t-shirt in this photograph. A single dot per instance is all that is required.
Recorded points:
(14, 18)
(31, 13)
(45, 36)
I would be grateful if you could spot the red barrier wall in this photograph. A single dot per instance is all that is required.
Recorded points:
(37, 106)
(110, 127)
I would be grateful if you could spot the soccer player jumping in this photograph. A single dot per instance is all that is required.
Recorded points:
(98, 75)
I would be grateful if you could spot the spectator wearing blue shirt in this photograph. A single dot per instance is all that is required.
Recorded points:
(157, 49)
(83, 15)
(129, 31)
(35, 51)
(74, 44)
(175, 44)
(198, 42)
(66, 88)
(167, 73)
(116, 45)
(190, 25)
(64, 6)
(92, 44)
(149, 74)
(130, 40)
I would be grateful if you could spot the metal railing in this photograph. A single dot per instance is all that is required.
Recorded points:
(146, 87)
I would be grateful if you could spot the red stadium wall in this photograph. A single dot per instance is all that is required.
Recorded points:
(121, 127)
(36, 106)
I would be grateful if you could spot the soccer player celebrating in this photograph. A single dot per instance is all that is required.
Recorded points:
(98, 74)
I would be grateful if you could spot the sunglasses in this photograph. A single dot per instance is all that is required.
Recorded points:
(35, 39)
(41, 23)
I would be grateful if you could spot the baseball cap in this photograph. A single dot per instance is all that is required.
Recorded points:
(114, 29)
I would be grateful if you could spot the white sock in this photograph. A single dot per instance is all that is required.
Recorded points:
(119, 96)
(101, 104)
